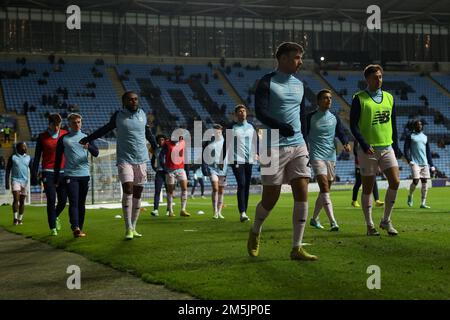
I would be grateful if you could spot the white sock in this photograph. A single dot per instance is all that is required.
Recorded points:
(169, 202)
(135, 212)
(260, 215)
(328, 206)
(214, 197)
(21, 217)
(184, 195)
(16, 215)
(317, 207)
(366, 200)
(127, 206)
(412, 187)
(220, 203)
(299, 216)
(389, 201)
(424, 193)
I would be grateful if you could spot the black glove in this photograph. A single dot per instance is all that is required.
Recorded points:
(34, 180)
(286, 130)
(84, 141)
(398, 153)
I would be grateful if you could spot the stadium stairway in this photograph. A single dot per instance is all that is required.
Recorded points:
(344, 113)
(439, 86)
(117, 84)
(23, 131)
(228, 87)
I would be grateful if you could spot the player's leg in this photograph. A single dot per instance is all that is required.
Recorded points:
(159, 181)
(415, 173)
(73, 193)
(323, 186)
(83, 192)
(193, 187)
(15, 205)
(140, 177)
(220, 198)
(248, 177)
(376, 195)
(22, 196)
(50, 194)
(126, 177)
(356, 187)
(61, 195)
(239, 174)
(424, 176)
(369, 168)
(424, 192)
(269, 198)
(214, 194)
(393, 176)
(299, 217)
(182, 178)
(202, 187)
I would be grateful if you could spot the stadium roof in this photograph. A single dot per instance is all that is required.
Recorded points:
(429, 11)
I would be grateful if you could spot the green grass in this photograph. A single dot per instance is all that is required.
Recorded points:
(211, 262)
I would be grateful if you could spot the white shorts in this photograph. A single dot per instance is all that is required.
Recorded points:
(221, 179)
(136, 173)
(420, 172)
(176, 175)
(286, 164)
(384, 159)
(21, 187)
(324, 168)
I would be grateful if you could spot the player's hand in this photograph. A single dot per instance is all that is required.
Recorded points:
(370, 151)
(398, 153)
(286, 130)
(220, 165)
(86, 146)
(411, 163)
(433, 169)
(347, 147)
(256, 157)
(84, 140)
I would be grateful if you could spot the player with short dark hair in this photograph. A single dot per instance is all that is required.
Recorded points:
(417, 152)
(280, 105)
(322, 128)
(46, 148)
(17, 169)
(132, 157)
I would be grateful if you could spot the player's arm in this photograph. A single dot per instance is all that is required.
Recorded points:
(37, 158)
(8, 172)
(429, 157)
(58, 157)
(93, 149)
(162, 156)
(339, 132)
(303, 115)
(262, 112)
(150, 137)
(100, 132)
(227, 142)
(398, 152)
(355, 114)
(255, 140)
(407, 148)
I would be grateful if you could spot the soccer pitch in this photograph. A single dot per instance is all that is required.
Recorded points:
(208, 258)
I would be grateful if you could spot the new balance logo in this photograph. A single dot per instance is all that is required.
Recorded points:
(381, 117)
